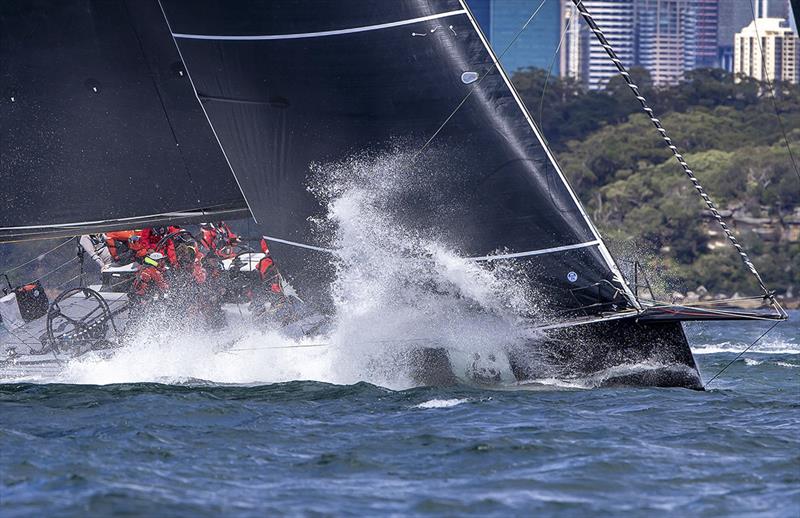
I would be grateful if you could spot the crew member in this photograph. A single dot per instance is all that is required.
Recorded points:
(149, 282)
(219, 239)
(95, 246)
(187, 264)
(152, 241)
(268, 271)
(192, 287)
(125, 246)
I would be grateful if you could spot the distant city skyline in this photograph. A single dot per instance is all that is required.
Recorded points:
(667, 37)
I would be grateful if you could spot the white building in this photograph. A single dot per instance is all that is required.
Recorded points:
(775, 57)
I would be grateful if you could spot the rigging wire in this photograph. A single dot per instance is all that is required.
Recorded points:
(37, 258)
(657, 123)
(550, 70)
(54, 270)
(772, 91)
(744, 351)
(478, 83)
(67, 281)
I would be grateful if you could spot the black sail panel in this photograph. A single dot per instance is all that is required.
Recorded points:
(286, 86)
(99, 125)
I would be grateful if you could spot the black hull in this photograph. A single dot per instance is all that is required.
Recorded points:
(620, 352)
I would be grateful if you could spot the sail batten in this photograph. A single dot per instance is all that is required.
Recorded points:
(495, 257)
(321, 34)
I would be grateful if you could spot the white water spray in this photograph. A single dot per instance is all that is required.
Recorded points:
(395, 290)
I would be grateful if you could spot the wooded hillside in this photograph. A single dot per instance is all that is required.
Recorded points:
(639, 196)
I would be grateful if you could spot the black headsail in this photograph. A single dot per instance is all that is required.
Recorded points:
(99, 125)
(286, 84)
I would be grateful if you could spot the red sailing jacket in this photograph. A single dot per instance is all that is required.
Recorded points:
(150, 241)
(269, 273)
(115, 238)
(218, 238)
(149, 279)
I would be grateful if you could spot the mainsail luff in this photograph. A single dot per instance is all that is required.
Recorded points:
(606, 254)
(284, 91)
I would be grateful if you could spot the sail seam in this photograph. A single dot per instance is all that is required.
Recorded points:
(320, 34)
(602, 247)
(535, 252)
(481, 258)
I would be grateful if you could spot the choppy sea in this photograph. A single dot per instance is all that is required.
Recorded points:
(196, 447)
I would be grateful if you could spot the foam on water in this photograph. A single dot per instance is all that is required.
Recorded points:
(441, 403)
(773, 347)
(734, 337)
(167, 357)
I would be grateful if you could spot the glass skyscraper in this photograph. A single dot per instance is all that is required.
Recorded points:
(536, 46)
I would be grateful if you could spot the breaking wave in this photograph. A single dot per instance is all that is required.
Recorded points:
(441, 403)
(400, 287)
(777, 346)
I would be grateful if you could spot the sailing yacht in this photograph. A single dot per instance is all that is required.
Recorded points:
(121, 114)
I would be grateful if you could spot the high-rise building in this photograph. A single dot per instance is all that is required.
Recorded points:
(734, 15)
(706, 29)
(767, 49)
(674, 36)
(582, 55)
(666, 38)
(503, 20)
(772, 8)
(537, 45)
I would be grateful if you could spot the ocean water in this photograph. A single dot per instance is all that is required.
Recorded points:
(121, 443)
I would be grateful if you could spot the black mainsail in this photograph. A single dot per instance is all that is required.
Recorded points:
(99, 127)
(288, 84)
